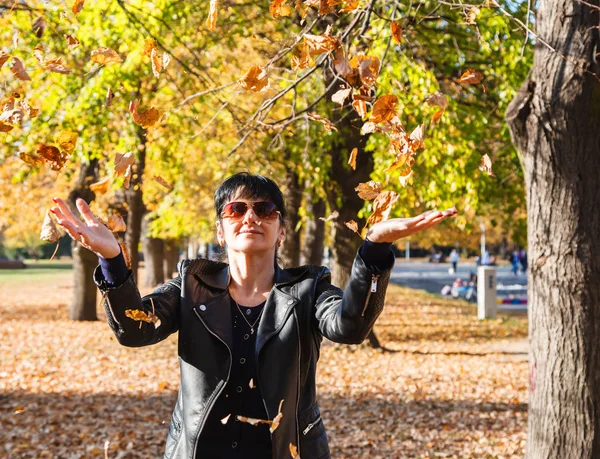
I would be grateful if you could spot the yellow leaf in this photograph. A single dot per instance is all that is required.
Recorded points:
(29, 158)
(105, 56)
(100, 187)
(211, 22)
(116, 223)
(349, 6)
(146, 118)
(66, 140)
(143, 316)
(279, 8)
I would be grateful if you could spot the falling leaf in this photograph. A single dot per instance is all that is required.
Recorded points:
(127, 178)
(105, 56)
(335, 214)
(319, 44)
(100, 187)
(161, 181)
(149, 45)
(77, 6)
(369, 190)
(53, 156)
(352, 159)
(369, 127)
(5, 127)
(277, 419)
(123, 162)
(340, 96)
(66, 140)
(349, 6)
(146, 118)
(416, 137)
(109, 97)
(50, 231)
(397, 32)
(31, 159)
(471, 77)
(29, 110)
(361, 108)
(438, 99)
(166, 60)
(255, 79)
(384, 108)
(404, 178)
(157, 64)
(126, 255)
(211, 22)
(116, 223)
(143, 316)
(251, 383)
(225, 419)
(382, 206)
(39, 26)
(368, 68)
(353, 226)
(300, 58)
(341, 64)
(279, 8)
(18, 70)
(19, 411)
(72, 41)
(252, 421)
(328, 124)
(3, 58)
(294, 451)
(486, 165)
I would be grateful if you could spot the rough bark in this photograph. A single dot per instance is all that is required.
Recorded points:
(171, 257)
(314, 241)
(554, 122)
(289, 252)
(83, 303)
(154, 256)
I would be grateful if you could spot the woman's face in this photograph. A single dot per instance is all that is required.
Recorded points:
(252, 231)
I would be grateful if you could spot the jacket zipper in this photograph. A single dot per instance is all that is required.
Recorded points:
(311, 425)
(373, 289)
(219, 390)
(299, 380)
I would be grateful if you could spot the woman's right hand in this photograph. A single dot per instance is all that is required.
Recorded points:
(90, 232)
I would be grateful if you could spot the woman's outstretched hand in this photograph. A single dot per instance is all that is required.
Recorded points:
(397, 228)
(90, 232)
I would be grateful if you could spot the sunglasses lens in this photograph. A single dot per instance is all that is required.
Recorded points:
(265, 209)
(235, 210)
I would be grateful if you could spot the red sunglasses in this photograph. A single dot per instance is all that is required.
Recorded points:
(265, 210)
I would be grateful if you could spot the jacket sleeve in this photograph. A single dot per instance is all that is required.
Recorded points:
(348, 316)
(164, 301)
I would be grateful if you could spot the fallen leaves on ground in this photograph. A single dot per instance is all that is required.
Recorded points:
(446, 387)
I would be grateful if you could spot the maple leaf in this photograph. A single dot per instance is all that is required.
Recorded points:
(340, 96)
(3, 58)
(77, 6)
(72, 41)
(116, 223)
(294, 451)
(123, 162)
(352, 158)
(146, 118)
(18, 70)
(361, 107)
(161, 181)
(319, 44)
(105, 56)
(396, 32)
(353, 226)
(225, 419)
(328, 124)
(255, 79)
(50, 231)
(384, 108)
(211, 21)
(369, 190)
(100, 187)
(486, 165)
(143, 316)
(349, 6)
(404, 178)
(340, 62)
(5, 127)
(335, 214)
(39, 27)
(382, 206)
(52, 156)
(279, 8)
(471, 77)
(66, 140)
(276, 419)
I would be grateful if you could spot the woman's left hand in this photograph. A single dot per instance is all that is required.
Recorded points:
(396, 228)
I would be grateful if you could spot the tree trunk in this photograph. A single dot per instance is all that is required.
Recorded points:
(83, 303)
(314, 241)
(554, 122)
(171, 257)
(154, 256)
(289, 253)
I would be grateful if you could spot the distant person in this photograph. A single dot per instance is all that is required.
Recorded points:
(515, 262)
(523, 260)
(454, 257)
(485, 258)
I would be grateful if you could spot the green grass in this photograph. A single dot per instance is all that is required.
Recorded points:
(37, 272)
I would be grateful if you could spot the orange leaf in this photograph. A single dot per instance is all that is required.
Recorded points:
(122, 162)
(146, 118)
(361, 107)
(72, 41)
(5, 127)
(126, 255)
(353, 226)
(328, 124)
(100, 187)
(384, 108)
(294, 451)
(352, 159)
(77, 6)
(105, 56)
(3, 58)
(486, 165)
(279, 8)
(341, 64)
(161, 181)
(66, 140)
(397, 32)
(382, 206)
(116, 223)
(276, 419)
(255, 79)
(416, 137)
(149, 45)
(349, 6)
(225, 419)
(109, 97)
(31, 159)
(319, 44)
(252, 421)
(143, 316)
(211, 21)
(369, 190)
(471, 77)
(404, 178)
(52, 156)
(300, 57)
(18, 70)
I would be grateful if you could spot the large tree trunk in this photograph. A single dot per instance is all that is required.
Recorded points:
(154, 255)
(289, 253)
(83, 303)
(314, 241)
(555, 122)
(171, 257)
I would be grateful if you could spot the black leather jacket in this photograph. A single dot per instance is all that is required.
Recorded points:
(302, 308)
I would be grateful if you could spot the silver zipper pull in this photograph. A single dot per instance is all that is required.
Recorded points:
(310, 426)
(374, 280)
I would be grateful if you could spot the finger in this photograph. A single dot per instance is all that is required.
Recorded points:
(66, 212)
(68, 226)
(86, 212)
(450, 212)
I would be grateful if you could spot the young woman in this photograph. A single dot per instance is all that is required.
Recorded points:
(249, 331)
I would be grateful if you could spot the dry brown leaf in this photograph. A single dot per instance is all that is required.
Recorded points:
(31, 159)
(39, 27)
(29, 110)
(161, 181)
(294, 451)
(325, 7)
(335, 214)
(352, 159)
(300, 58)
(211, 21)
(252, 421)
(123, 162)
(369, 190)
(361, 108)
(255, 79)
(329, 126)
(397, 32)
(279, 8)
(486, 165)
(5, 127)
(471, 77)
(353, 226)
(66, 140)
(277, 419)
(143, 316)
(369, 127)
(100, 187)
(384, 108)
(127, 177)
(116, 223)
(3, 58)
(349, 6)
(438, 99)
(416, 137)
(340, 96)
(109, 97)
(368, 68)
(18, 70)
(341, 64)
(72, 41)
(225, 419)
(149, 45)
(404, 178)
(146, 118)
(126, 254)
(319, 44)
(105, 56)
(53, 156)
(382, 206)
(50, 231)
(77, 6)
(157, 63)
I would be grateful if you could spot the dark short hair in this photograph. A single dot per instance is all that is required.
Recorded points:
(252, 186)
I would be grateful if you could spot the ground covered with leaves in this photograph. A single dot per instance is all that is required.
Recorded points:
(446, 385)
